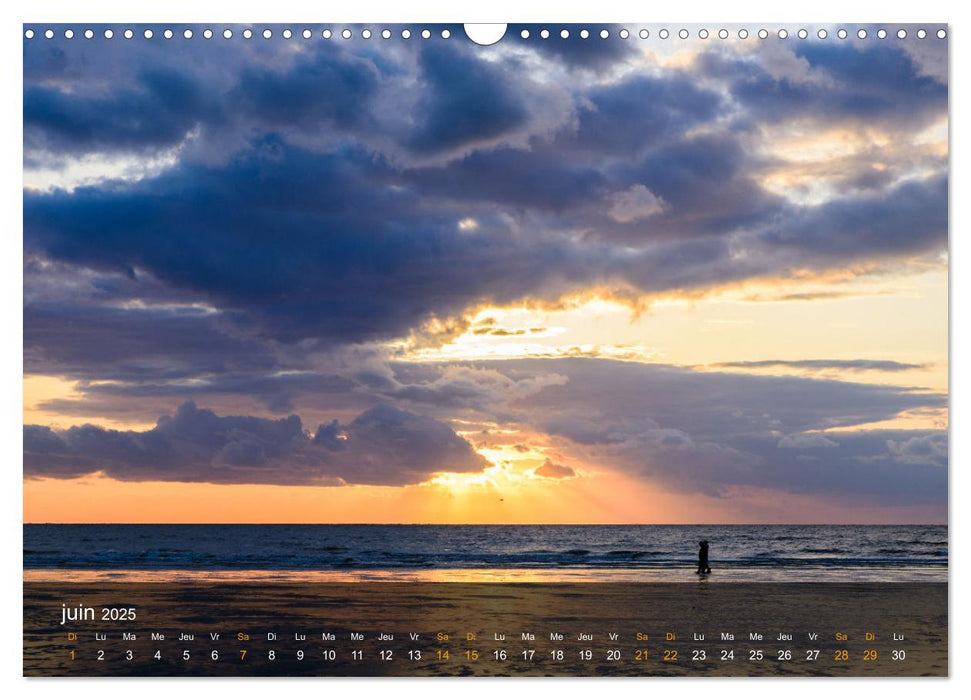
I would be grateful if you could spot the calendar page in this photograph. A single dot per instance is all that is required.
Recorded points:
(512, 350)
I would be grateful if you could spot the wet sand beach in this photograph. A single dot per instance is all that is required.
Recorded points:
(488, 629)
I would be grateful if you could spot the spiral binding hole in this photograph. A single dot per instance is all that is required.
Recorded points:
(564, 33)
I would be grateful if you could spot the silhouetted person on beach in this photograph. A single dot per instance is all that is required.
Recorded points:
(703, 567)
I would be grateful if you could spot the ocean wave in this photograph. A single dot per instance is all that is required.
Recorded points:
(323, 548)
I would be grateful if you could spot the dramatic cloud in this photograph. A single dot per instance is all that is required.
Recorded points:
(325, 219)
(470, 101)
(907, 219)
(921, 450)
(638, 202)
(383, 445)
(315, 92)
(705, 432)
(686, 430)
(837, 83)
(261, 228)
(804, 441)
(551, 470)
(157, 113)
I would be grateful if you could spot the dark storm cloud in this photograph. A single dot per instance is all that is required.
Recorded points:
(306, 246)
(479, 389)
(365, 258)
(317, 91)
(517, 178)
(217, 232)
(715, 404)
(702, 432)
(864, 464)
(276, 391)
(706, 432)
(574, 169)
(158, 113)
(49, 61)
(928, 448)
(687, 431)
(886, 80)
(849, 365)
(128, 344)
(708, 185)
(908, 218)
(550, 470)
(655, 109)
(383, 445)
(832, 82)
(316, 228)
(467, 101)
(315, 205)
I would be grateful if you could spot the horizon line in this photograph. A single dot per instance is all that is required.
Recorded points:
(429, 524)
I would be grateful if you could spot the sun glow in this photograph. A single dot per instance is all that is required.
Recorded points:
(807, 315)
(511, 465)
(811, 166)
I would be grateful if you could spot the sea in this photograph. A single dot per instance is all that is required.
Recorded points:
(540, 553)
